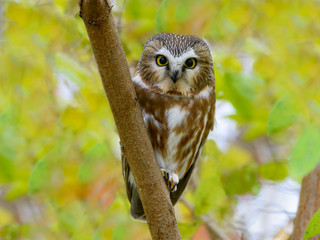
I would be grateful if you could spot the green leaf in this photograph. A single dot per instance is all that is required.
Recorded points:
(313, 227)
(183, 10)
(75, 218)
(274, 171)
(239, 90)
(204, 200)
(235, 158)
(9, 143)
(63, 63)
(40, 175)
(120, 233)
(88, 169)
(281, 115)
(305, 154)
(242, 181)
(160, 18)
(6, 169)
(187, 229)
(71, 216)
(17, 189)
(209, 200)
(82, 235)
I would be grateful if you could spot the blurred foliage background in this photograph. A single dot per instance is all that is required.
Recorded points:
(60, 172)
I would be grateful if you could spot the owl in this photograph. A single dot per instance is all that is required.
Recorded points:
(175, 86)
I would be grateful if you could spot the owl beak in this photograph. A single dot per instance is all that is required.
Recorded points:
(174, 75)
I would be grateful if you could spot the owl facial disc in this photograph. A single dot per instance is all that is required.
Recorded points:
(176, 65)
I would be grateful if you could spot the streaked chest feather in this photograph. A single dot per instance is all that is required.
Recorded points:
(177, 127)
(177, 144)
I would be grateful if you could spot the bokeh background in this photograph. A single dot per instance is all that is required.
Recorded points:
(60, 169)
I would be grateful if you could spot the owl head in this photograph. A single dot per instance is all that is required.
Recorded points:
(176, 64)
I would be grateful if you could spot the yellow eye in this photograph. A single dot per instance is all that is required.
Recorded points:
(161, 60)
(190, 63)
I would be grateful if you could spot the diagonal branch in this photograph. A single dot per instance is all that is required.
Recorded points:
(118, 86)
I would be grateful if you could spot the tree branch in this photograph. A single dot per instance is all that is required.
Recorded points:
(120, 91)
(309, 203)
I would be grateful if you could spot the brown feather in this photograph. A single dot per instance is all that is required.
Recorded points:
(177, 140)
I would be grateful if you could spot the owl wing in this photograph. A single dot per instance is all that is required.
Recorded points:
(184, 181)
(174, 196)
(126, 172)
(136, 208)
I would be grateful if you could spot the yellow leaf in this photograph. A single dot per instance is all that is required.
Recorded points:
(6, 217)
(236, 157)
(73, 118)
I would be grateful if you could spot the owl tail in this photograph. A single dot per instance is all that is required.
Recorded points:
(136, 209)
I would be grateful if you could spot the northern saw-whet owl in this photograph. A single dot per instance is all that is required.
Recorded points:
(175, 86)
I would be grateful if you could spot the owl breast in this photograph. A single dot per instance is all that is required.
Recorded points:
(178, 126)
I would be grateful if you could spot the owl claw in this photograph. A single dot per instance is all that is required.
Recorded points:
(171, 180)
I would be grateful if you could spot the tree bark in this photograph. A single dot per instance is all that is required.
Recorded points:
(116, 79)
(309, 203)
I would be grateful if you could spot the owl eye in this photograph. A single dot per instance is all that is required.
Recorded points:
(190, 63)
(161, 60)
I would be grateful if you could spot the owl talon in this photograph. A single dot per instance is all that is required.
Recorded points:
(165, 175)
(171, 180)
